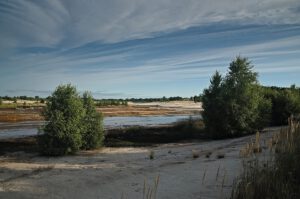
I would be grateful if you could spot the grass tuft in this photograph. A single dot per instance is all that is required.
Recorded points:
(151, 155)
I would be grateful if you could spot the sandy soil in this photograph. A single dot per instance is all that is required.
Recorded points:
(121, 172)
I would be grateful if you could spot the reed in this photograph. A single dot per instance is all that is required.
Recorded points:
(277, 177)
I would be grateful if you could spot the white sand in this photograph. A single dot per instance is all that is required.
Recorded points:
(121, 172)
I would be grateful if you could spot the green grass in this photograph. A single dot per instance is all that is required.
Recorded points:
(8, 105)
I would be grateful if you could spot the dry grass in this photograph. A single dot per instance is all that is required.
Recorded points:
(151, 154)
(220, 155)
(208, 154)
(195, 154)
(150, 192)
(252, 148)
(276, 177)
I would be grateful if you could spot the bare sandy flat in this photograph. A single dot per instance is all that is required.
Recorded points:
(133, 109)
(122, 172)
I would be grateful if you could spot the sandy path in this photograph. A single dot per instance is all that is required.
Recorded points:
(120, 172)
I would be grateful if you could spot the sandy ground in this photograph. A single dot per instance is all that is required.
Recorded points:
(153, 108)
(121, 172)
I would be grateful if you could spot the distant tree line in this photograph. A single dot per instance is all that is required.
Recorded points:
(111, 102)
(23, 97)
(160, 99)
(124, 102)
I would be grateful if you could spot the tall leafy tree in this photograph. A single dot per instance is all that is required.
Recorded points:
(241, 96)
(234, 105)
(212, 103)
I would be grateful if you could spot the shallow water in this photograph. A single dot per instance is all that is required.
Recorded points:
(23, 129)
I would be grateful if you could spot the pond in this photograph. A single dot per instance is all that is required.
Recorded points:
(22, 129)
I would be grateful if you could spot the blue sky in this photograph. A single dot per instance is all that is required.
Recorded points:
(141, 48)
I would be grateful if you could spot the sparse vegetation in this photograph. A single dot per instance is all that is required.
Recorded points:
(151, 154)
(195, 154)
(277, 177)
(141, 136)
(220, 155)
(150, 192)
(208, 154)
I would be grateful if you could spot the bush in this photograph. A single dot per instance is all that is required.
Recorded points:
(285, 102)
(73, 123)
(92, 135)
(64, 113)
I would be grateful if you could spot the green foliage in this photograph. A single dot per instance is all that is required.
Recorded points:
(234, 105)
(64, 113)
(214, 119)
(1, 101)
(285, 102)
(111, 102)
(73, 123)
(92, 135)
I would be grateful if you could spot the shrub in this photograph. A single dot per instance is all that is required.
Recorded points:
(285, 102)
(64, 113)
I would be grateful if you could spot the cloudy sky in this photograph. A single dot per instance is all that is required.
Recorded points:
(142, 48)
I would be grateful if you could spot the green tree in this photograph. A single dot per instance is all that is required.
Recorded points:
(64, 114)
(242, 97)
(92, 135)
(234, 105)
(213, 103)
(1, 101)
(285, 104)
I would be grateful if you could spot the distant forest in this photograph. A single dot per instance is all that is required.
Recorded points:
(114, 101)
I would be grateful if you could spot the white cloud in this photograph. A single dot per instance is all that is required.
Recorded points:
(75, 22)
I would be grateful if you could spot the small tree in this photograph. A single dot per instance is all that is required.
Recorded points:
(64, 114)
(92, 135)
(213, 104)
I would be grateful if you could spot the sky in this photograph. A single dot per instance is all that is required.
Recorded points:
(142, 48)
